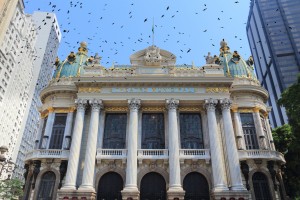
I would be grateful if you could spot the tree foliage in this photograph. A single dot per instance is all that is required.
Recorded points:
(288, 139)
(11, 189)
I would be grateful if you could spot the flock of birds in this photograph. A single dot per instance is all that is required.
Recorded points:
(78, 23)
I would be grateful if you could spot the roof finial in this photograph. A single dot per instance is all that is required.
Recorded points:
(83, 48)
(153, 32)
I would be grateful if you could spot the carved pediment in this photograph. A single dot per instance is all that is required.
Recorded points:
(153, 56)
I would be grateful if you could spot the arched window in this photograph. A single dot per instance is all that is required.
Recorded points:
(153, 187)
(58, 130)
(249, 131)
(47, 185)
(195, 186)
(261, 186)
(110, 186)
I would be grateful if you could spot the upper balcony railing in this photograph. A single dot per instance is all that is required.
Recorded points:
(110, 154)
(194, 154)
(48, 153)
(261, 154)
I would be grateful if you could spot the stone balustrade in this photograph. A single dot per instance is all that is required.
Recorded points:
(261, 154)
(48, 153)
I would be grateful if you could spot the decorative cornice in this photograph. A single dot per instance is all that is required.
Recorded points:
(225, 104)
(134, 104)
(217, 90)
(172, 104)
(210, 104)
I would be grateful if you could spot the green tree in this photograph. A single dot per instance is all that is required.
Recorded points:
(11, 189)
(290, 99)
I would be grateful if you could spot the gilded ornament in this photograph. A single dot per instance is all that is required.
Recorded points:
(217, 89)
(190, 109)
(116, 109)
(89, 89)
(153, 109)
(245, 110)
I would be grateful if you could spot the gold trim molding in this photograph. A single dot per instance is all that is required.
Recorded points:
(190, 109)
(217, 90)
(153, 109)
(116, 109)
(89, 89)
(245, 110)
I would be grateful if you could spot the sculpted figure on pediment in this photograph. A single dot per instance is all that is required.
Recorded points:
(152, 54)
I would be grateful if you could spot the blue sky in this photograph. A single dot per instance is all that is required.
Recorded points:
(116, 29)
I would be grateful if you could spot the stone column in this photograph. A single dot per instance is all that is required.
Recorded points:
(68, 129)
(217, 162)
(70, 182)
(232, 154)
(131, 189)
(48, 129)
(238, 129)
(90, 155)
(259, 129)
(175, 188)
(39, 138)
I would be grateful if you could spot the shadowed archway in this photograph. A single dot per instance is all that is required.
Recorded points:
(153, 187)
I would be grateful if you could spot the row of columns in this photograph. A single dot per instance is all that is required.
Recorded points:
(175, 187)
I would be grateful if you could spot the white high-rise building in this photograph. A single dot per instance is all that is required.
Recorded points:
(17, 55)
(48, 39)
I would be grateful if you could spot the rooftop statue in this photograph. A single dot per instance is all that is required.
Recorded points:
(152, 54)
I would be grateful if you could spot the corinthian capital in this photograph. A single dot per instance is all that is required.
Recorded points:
(96, 104)
(210, 104)
(81, 104)
(134, 104)
(172, 104)
(225, 104)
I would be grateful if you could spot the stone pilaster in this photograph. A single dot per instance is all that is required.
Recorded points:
(259, 129)
(48, 130)
(90, 155)
(70, 182)
(232, 154)
(131, 190)
(68, 129)
(238, 129)
(217, 162)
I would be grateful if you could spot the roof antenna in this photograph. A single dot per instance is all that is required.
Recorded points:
(153, 32)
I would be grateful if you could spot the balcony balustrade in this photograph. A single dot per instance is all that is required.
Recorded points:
(152, 154)
(111, 154)
(261, 154)
(194, 154)
(47, 153)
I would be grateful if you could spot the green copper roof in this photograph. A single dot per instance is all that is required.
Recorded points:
(234, 65)
(73, 66)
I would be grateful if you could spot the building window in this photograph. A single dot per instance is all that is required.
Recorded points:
(261, 186)
(191, 131)
(153, 130)
(115, 131)
(58, 130)
(249, 131)
(47, 186)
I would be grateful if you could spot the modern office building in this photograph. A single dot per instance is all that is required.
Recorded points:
(154, 130)
(47, 43)
(273, 31)
(17, 55)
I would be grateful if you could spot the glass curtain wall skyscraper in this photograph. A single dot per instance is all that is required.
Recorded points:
(273, 31)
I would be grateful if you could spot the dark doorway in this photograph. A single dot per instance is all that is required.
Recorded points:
(261, 186)
(47, 186)
(196, 187)
(110, 186)
(153, 187)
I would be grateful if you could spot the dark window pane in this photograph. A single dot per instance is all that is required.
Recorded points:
(58, 130)
(47, 186)
(249, 131)
(115, 131)
(153, 130)
(191, 131)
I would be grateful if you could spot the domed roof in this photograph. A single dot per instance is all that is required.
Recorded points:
(234, 65)
(72, 66)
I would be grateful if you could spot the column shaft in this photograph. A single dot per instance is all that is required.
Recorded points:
(217, 163)
(90, 155)
(131, 170)
(48, 129)
(239, 131)
(259, 129)
(68, 129)
(232, 154)
(174, 164)
(70, 182)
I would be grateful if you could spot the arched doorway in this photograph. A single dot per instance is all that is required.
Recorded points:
(110, 186)
(195, 186)
(261, 186)
(47, 185)
(153, 187)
